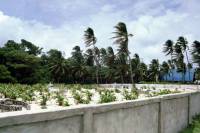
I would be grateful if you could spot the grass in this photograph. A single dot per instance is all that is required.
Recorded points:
(194, 127)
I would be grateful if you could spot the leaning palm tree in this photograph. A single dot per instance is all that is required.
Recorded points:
(184, 46)
(168, 50)
(121, 38)
(179, 59)
(90, 40)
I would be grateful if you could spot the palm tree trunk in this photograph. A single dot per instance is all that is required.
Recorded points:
(188, 63)
(131, 69)
(97, 70)
(172, 69)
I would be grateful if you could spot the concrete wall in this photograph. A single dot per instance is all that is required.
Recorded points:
(164, 114)
(158, 86)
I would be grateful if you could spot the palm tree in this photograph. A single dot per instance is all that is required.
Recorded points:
(90, 40)
(196, 52)
(135, 62)
(121, 38)
(103, 56)
(164, 69)
(184, 45)
(59, 69)
(179, 59)
(79, 70)
(110, 59)
(154, 69)
(168, 50)
(57, 64)
(171, 67)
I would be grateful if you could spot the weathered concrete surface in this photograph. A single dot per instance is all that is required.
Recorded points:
(65, 125)
(164, 114)
(174, 115)
(141, 119)
(194, 104)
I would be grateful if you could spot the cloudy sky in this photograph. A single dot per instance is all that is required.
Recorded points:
(60, 23)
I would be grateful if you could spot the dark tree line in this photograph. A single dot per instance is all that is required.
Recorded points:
(24, 62)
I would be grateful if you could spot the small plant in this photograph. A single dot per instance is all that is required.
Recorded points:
(66, 103)
(162, 92)
(80, 98)
(117, 90)
(44, 99)
(60, 99)
(130, 95)
(107, 96)
(88, 95)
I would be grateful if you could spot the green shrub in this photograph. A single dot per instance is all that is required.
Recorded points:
(117, 90)
(44, 99)
(66, 103)
(79, 98)
(130, 95)
(107, 96)
(60, 99)
(194, 127)
(162, 92)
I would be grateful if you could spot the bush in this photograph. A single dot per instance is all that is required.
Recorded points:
(194, 127)
(107, 96)
(163, 92)
(44, 99)
(60, 99)
(79, 98)
(130, 95)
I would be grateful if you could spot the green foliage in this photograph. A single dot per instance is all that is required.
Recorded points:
(5, 75)
(117, 90)
(107, 96)
(60, 99)
(162, 92)
(17, 91)
(130, 95)
(26, 63)
(81, 98)
(194, 127)
(44, 99)
(66, 103)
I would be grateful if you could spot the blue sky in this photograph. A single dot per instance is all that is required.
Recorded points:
(60, 23)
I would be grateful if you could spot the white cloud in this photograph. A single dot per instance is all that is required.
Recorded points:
(48, 37)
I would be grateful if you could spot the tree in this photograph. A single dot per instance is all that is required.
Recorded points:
(79, 69)
(154, 69)
(90, 40)
(179, 59)
(164, 69)
(169, 50)
(171, 67)
(196, 52)
(57, 65)
(22, 65)
(137, 72)
(31, 48)
(5, 75)
(184, 45)
(121, 38)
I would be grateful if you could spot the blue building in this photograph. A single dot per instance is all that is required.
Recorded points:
(175, 76)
